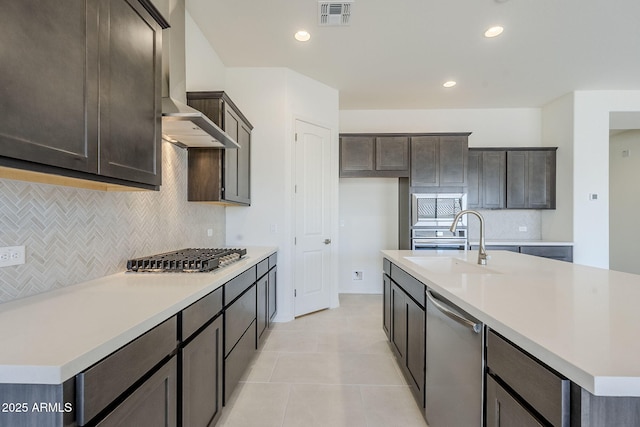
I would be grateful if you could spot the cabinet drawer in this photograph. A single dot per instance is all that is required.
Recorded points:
(411, 286)
(543, 389)
(99, 385)
(236, 286)
(262, 268)
(238, 317)
(200, 312)
(238, 360)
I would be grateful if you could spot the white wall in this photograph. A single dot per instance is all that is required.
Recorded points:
(368, 207)
(271, 99)
(624, 201)
(205, 70)
(591, 170)
(557, 131)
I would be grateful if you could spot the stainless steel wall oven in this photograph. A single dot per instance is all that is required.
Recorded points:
(432, 215)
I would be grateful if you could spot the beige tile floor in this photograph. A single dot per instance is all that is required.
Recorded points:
(333, 368)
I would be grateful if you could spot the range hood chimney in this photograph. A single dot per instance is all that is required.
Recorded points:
(181, 124)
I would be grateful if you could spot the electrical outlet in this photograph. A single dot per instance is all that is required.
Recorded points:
(522, 228)
(11, 255)
(357, 275)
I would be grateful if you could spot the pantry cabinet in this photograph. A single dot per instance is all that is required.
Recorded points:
(221, 175)
(85, 101)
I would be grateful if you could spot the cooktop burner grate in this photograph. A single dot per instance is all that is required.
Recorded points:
(190, 260)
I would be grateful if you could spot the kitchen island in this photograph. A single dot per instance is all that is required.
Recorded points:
(581, 322)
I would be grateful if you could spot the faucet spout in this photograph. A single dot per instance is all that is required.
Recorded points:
(482, 250)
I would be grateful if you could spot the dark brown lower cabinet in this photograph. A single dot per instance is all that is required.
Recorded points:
(503, 410)
(408, 338)
(386, 305)
(152, 404)
(398, 322)
(262, 320)
(240, 333)
(202, 377)
(272, 307)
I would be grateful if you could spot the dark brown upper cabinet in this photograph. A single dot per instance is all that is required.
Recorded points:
(218, 175)
(487, 179)
(81, 94)
(374, 156)
(439, 160)
(531, 178)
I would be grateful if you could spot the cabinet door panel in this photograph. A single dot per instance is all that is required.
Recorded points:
(130, 110)
(505, 411)
(474, 180)
(43, 118)
(261, 313)
(541, 179)
(272, 307)
(453, 160)
(152, 404)
(517, 179)
(425, 167)
(399, 322)
(493, 179)
(392, 153)
(356, 155)
(202, 377)
(416, 349)
(386, 305)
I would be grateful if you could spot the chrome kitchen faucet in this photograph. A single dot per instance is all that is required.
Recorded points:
(482, 251)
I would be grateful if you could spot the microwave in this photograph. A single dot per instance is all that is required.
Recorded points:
(437, 209)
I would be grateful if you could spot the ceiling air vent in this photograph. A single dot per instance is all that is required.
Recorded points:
(334, 14)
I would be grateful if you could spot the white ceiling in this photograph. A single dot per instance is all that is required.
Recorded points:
(396, 54)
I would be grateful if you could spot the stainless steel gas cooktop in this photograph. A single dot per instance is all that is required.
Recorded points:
(191, 260)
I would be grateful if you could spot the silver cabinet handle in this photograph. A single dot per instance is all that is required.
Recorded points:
(327, 241)
(476, 327)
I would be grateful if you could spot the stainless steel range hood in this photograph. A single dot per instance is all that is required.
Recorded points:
(181, 124)
(188, 127)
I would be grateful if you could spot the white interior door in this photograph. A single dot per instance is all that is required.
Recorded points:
(312, 218)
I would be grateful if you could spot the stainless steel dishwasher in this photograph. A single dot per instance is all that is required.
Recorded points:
(454, 366)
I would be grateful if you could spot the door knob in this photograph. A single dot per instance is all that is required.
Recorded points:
(327, 241)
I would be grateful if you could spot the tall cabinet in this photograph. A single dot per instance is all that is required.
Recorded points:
(217, 175)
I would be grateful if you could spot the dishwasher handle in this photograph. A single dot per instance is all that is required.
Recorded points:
(476, 327)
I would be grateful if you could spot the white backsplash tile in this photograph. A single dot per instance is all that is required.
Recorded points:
(74, 235)
(506, 224)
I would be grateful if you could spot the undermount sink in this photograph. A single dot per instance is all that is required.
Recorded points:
(449, 265)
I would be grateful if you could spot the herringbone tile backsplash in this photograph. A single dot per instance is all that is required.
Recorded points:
(73, 235)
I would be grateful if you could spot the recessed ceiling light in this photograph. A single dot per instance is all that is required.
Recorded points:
(450, 83)
(302, 36)
(493, 31)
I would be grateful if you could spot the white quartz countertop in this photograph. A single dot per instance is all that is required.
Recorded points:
(49, 338)
(582, 321)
